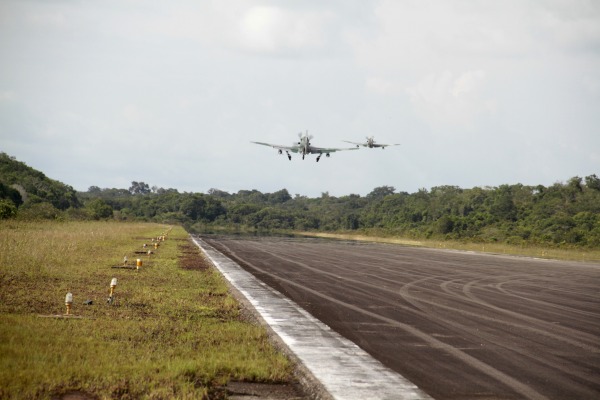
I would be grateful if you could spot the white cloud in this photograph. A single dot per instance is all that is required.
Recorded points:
(382, 86)
(53, 19)
(573, 25)
(415, 35)
(468, 83)
(269, 29)
(448, 99)
(133, 114)
(191, 83)
(591, 84)
(235, 25)
(7, 95)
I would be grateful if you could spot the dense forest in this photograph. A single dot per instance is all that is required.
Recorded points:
(564, 214)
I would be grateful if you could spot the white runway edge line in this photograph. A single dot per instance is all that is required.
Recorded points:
(344, 369)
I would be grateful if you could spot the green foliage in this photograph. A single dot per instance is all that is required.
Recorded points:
(381, 191)
(564, 214)
(10, 194)
(35, 185)
(592, 182)
(200, 207)
(98, 209)
(39, 211)
(7, 209)
(279, 197)
(139, 188)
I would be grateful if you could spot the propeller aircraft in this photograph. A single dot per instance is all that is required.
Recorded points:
(370, 143)
(303, 147)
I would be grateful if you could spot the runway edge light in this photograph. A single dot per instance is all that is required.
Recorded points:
(113, 285)
(69, 302)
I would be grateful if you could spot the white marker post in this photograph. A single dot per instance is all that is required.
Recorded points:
(113, 285)
(68, 302)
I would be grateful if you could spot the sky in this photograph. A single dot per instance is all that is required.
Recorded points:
(478, 93)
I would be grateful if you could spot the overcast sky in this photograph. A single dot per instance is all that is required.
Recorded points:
(478, 93)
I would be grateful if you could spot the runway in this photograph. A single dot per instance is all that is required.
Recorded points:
(458, 325)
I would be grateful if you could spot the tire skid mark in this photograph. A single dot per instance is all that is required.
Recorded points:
(493, 338)
(583, 338)
(324, 355)
(333, 262)
(406, 295)
(487, 369)
(592, 296)
(500, 288)
(590, 340)
(404, 260)
(354, 281)
(542, 271)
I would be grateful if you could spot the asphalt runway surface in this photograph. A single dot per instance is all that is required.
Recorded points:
(459, 325)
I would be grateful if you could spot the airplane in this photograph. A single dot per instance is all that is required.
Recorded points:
(304, 147)
(371, 143)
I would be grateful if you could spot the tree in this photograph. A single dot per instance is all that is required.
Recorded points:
(279, 197)
(503, 206)
(444, 225)
(10, 194)
(237, 214)
(200, 207)
(139, 188)
(34, 185)
(381, 191)
(7, 209)
(98, 209)
(592, 182)
(37, 211)
(213, 209)
(218, 193)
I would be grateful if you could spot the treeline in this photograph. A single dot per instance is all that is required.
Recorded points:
(30, 192)
(561, 214)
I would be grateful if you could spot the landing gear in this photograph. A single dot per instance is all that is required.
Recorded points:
(318, 158)
(288, 154)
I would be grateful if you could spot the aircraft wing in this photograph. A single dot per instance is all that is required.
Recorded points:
(323, 150)
(293, 149)
(385, 145)
(357, 144)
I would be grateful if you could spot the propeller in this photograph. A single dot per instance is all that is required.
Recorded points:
(304, 135)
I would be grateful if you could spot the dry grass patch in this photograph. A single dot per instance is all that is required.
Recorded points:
(572, 254)
(173, 330)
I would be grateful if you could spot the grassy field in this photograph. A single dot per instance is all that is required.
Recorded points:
(173, 331)
(496, 248)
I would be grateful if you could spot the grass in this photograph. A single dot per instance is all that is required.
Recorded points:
(574, 254)
(173, 330)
